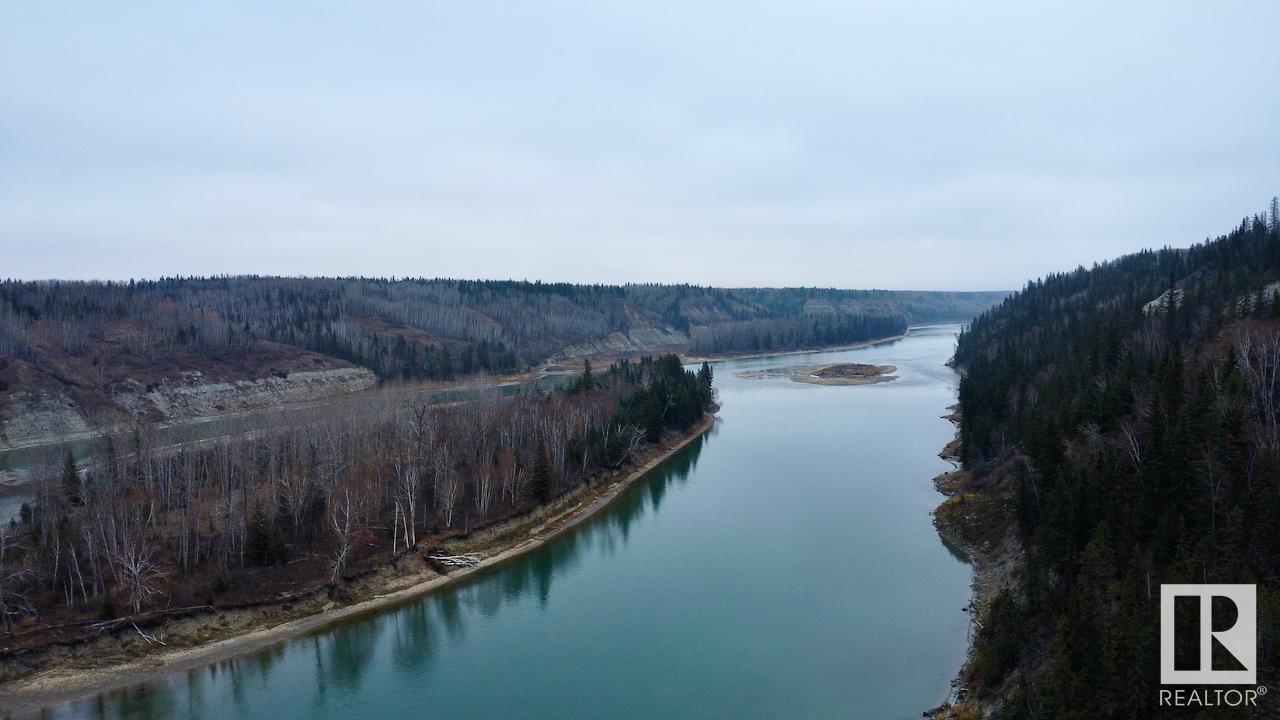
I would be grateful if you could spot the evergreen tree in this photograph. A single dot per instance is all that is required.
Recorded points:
(71, 487)
(1111, 412)
(540, 483)
(705, 376)
(264, 542)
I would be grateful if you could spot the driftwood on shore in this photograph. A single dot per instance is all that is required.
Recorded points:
(101, 625)
(463, 560)
(151, 639)
(45, 684)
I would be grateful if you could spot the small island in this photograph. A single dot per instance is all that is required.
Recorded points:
(850, 374)
(828, 374)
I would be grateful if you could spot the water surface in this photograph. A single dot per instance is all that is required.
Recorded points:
(783, 566)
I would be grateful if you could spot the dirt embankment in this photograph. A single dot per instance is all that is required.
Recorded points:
(56, 672)
(42, 416)
(641, 337)
(976, 520)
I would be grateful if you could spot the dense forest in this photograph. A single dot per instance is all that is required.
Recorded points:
(1129, 416)
(134, 526)
(82, 357)
(795, 332)
(423, 328)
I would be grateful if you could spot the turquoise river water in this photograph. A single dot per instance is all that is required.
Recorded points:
(782, 566)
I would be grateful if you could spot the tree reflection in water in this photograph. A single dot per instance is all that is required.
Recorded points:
(408, 635)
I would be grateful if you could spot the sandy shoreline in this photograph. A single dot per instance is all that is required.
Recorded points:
(27, 696)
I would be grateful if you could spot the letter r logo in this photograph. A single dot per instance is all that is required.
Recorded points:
(1235, 641)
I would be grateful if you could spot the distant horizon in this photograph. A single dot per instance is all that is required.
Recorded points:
(544, 281)
(421, 278)
(480, 278)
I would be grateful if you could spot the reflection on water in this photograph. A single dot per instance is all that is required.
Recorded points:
(342, 655)
(784, 565)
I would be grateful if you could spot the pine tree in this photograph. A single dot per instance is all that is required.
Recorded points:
(446, 364)
(71, 488)
(1132, 460)
(705, 375)
(265, 542)
(540, 483)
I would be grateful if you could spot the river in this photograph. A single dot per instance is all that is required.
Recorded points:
(782, 566)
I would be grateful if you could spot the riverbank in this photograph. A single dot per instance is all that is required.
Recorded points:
(124, 658)
(571, 366)
(975, 520)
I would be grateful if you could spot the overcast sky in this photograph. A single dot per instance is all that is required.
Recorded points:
(932, 145)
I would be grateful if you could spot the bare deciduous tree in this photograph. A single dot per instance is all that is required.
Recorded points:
(139, 572)
(342, 512)
(14, 598)
(1258, 356)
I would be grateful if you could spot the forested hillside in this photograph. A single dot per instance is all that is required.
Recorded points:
(764, 335)
(82, 355)
(413, 327)
(1125, 419)
(250, 520)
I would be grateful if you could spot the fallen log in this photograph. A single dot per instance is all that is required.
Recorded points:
(464, 560)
